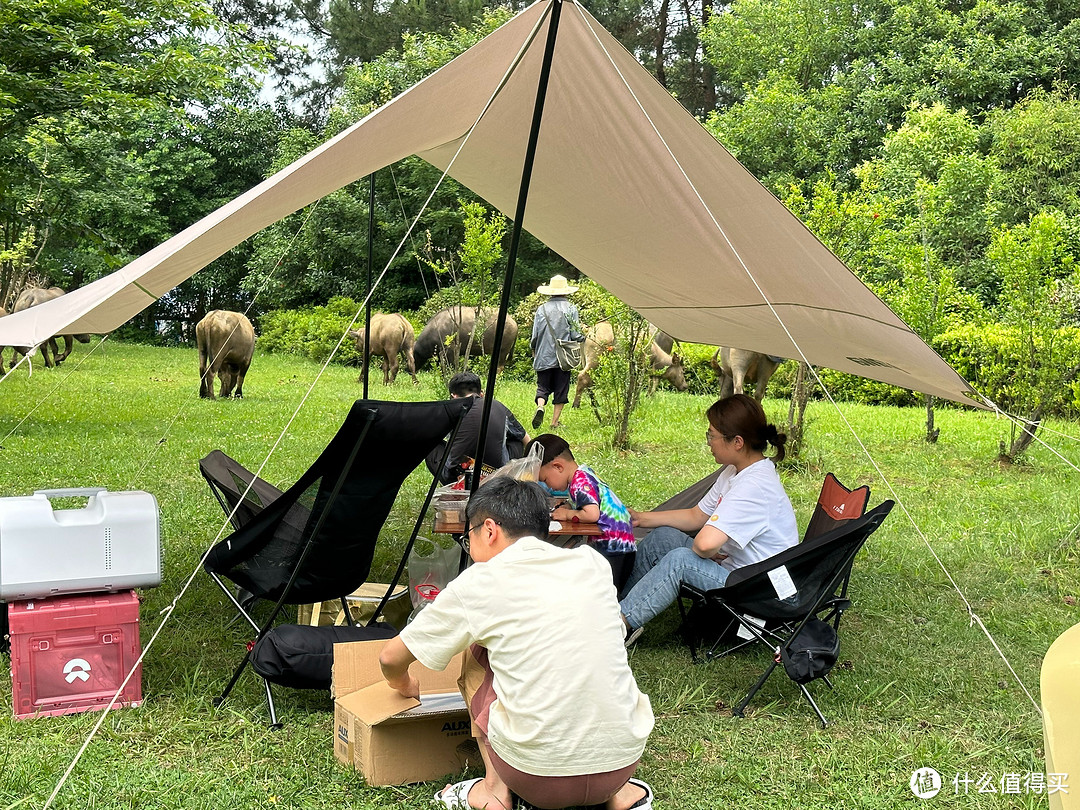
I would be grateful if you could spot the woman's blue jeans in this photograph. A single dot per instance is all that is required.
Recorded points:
(665, 560)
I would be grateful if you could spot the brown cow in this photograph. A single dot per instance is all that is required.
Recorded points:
(31, 297)
(391, 335)
(226, 343)
(602, 337)
(452, 331)
(735, 366)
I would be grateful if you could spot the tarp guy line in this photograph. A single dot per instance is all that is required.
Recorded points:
(972, 615)
(971, 612)
(168, 611)
(412, 241)
(202, 379)
(52, 391)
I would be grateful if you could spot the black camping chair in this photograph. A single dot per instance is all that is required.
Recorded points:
(241, 493)
(316, 540)
(688, 497)
(818, 568)
(835, 504)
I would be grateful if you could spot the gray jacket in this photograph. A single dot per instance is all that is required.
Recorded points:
(566, 324)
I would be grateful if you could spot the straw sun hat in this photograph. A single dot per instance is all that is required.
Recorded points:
(557, 286)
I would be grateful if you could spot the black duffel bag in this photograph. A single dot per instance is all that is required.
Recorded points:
(302, 657)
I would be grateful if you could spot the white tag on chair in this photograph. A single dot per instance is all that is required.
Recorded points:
(781, 582)
(744, 631)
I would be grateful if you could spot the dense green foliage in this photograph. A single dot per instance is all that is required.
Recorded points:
(76, 79)
(932, 146)
(314, 332)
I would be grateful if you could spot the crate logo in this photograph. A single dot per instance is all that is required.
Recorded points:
(77, 668)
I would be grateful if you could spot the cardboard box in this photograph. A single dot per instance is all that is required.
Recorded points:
(394, 740)
(70, 653)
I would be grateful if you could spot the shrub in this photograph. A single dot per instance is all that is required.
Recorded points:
(312, 332)
(995, 360)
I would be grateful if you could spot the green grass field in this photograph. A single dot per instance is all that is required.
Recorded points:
(918, 684)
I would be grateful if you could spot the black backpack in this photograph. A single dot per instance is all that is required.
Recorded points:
(302, 657)
(812, 653)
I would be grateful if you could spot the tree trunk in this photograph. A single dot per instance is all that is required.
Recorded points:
(708, 75)
(800, 394)
(661, 41)
(1027, 435)
(931, 431)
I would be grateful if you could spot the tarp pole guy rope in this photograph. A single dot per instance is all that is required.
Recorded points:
(967, 604)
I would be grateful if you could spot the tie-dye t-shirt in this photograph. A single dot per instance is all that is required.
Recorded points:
(585, 488)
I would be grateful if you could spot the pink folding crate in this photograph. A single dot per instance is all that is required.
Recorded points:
(70, 653)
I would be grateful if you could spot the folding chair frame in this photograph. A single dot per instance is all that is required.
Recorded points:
(266, 489)
(783, 634)
(835, 504)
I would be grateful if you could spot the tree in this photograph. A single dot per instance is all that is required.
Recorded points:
(472, 271)
(75, 71)
(103, 61)
(1039, 283)
(797, 63)
(1036, 145)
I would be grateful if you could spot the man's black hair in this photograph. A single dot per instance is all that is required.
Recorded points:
(520, 507)
(463, 384)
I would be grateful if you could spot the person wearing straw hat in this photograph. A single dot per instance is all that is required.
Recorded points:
(555, 319)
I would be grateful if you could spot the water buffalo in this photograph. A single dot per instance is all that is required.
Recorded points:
(735, 366)
(31, 297)
(226, 343)
(665, 365)
(391, 335)
(451, 332)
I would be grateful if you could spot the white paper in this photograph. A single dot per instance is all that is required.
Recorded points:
(781, 582)
(554, 526)
(744, 631)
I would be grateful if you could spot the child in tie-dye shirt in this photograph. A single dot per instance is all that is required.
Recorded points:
(591, 501)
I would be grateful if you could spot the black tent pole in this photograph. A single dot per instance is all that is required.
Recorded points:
(515, 236)
(367, 304)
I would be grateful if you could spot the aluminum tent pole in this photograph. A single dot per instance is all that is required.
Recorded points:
(515, 236)
(367, 298)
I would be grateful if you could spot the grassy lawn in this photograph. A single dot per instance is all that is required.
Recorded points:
(918, 684)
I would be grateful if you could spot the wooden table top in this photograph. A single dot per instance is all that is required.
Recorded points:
(566, 529)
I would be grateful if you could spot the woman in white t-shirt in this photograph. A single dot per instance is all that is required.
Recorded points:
(746, 517)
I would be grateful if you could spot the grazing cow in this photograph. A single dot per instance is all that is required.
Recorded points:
(390, 335)
(226, 343)
(452, 331)
(31, 297)
(735, 366)
(665, 365)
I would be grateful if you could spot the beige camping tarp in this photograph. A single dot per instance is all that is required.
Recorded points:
(627, 186)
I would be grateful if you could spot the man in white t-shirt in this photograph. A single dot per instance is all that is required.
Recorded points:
(555, 707)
